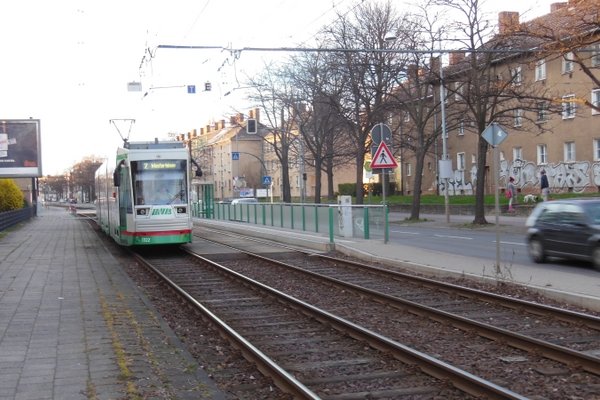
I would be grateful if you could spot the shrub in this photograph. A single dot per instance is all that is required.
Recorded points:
(347, 189)
(11, 197)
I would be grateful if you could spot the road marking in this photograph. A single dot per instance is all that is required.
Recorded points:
(407, 233)
(513, 243)
(454, 237)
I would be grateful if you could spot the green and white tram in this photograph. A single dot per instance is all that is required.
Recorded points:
(143, 194)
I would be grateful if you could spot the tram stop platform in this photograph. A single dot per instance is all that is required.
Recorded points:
(74, 326)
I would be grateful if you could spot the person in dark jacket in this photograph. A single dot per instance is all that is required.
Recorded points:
(544, 185)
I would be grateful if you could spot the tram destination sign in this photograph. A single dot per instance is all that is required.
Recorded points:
(20, 152)
(159, 165)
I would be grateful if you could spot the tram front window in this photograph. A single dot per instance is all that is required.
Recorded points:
(159, 182)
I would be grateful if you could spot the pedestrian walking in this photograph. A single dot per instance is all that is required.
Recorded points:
(511, 193)
(544, 185)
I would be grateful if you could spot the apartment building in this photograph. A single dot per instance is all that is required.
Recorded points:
(235, 162)
(552, 128)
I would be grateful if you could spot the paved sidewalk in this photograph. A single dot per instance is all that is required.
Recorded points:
(74, 326)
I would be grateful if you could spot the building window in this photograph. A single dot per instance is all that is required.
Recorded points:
(596, 149)
(458, 91)
(569, 148)
(542, 154)
(502, 158)
(542, 111)
(406, 116)
(540, 70)
(596, 101)
(460, 161)
(596, 55)
(517, 153)
(567, 63)
(516, 76)
(473, 159)
(518, 117)
(408, 167)
(568, 106)
(461, 128)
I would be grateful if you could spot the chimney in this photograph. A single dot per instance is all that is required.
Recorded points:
(508, 21)
(240, 117)
(222, 124)
(456, 57)
(194, 133)
(557, 6)
(201, 131)
(257, 114)
(412, 71)
(207, 128)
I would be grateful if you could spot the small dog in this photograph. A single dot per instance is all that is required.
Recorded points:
(530, 198)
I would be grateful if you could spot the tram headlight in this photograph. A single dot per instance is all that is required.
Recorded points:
(143, 211)
(181, 210)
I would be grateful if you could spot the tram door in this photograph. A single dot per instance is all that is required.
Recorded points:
(124, 199)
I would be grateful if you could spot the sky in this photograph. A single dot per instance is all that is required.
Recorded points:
(68, 63)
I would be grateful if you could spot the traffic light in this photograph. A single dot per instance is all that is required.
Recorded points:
(251, 127)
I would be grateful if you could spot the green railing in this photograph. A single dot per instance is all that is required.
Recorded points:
(333, 220)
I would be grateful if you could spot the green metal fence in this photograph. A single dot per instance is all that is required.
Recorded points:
(333, 220)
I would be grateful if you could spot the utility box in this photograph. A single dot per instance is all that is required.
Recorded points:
(345, 215)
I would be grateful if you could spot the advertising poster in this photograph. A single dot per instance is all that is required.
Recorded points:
(20, 154)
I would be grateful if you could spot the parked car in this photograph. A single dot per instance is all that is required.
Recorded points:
(244, 200)
(567, 228)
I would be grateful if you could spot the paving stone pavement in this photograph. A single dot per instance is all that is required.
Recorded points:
(74, 326)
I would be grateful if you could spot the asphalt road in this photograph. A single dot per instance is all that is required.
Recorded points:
(460, 237)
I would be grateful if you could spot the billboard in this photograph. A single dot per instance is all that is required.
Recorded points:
(20, 152)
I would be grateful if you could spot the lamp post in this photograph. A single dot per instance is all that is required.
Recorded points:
(444, 144)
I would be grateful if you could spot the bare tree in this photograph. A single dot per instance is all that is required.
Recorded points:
(484, 84)
(413, 99)
(274, 92)
(82, 175)
(368, 76)
(323, 144)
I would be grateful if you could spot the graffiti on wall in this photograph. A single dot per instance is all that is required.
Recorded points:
(576, 177)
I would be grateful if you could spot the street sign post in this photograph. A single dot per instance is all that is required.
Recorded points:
(383, 158)
(494, 135)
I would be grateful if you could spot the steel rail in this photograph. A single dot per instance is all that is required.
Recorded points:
(573, 317)
(281, 377)
(549, 350)
(460, 379)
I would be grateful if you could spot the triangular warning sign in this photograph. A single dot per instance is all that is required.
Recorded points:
(383, 158)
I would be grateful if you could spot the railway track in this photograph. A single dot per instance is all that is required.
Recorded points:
(521, 345)
(307, 351)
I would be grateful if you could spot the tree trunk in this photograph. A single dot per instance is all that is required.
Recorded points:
(330, 187)
(415, 208)
(360, 192)
(480, 184)
(318, 180)
(285, 180)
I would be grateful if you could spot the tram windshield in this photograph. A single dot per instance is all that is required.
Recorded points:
(159, 182)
